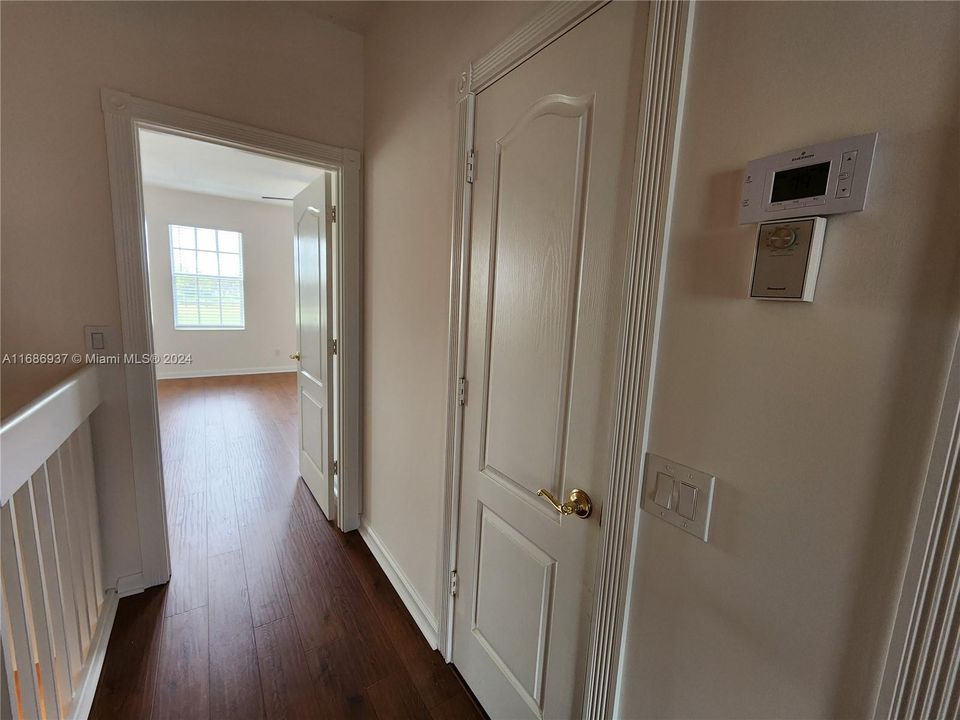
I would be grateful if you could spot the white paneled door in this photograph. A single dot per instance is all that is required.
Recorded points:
(554, 142)
(313, 224)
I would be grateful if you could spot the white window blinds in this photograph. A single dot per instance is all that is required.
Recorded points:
(207, 270)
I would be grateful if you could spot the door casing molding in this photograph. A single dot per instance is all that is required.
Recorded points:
(920, 677)
(669, 36)
(124, 115)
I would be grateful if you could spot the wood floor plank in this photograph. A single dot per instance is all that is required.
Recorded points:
(234, 671)
(223, 534)
(267, 591)
(458, 707)
(128, 678)
(314, 588)
(435, 681)
(396, 698)
(288, 692)
(188, 554)
(273, 612)
(340, 674)
(183, 672)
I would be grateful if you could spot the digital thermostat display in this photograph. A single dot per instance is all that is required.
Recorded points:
(816, 180)
(801, 182)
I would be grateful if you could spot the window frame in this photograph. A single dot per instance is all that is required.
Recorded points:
(198, 275)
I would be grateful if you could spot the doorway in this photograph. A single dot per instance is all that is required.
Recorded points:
(125, 116)
(240, 265)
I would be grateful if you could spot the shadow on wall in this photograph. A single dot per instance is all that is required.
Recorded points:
(715, 275)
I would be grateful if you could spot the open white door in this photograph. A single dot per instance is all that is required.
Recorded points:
(313, 227)
(554, 149)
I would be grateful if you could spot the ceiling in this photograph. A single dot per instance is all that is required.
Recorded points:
(181, 163)
(355, 16)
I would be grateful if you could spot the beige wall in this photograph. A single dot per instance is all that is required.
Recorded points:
(274, 65)
(817, 418)
(269, 334)
(414, 55)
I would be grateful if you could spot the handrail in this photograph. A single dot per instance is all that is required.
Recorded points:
(35, 432)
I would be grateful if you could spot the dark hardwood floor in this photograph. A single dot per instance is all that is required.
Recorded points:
(271, 611)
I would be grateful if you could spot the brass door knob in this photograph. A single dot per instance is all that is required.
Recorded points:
(578, 503)
(295, 356)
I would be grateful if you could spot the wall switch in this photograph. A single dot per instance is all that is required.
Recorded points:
(664, 492)
(99, 339)
(687, 501)
(680, 495)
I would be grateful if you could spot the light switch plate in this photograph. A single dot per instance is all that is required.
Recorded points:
(99, 340)
(689, 484)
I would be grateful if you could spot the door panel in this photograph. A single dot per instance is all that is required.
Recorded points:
(554, 147)
(535, 242)
(312, 413)
(313, 237)
(514, 594)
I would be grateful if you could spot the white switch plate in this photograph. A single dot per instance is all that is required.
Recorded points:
(656, 472)
(102, 335)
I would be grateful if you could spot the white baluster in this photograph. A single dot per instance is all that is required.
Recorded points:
(13, 595)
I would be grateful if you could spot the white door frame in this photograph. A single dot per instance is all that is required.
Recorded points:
(124, 115)
(669, 32)
(917, 658)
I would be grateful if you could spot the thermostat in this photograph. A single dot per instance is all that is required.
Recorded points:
(816, 180)
(787, 259)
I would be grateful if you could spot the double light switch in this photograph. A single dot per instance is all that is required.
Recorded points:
(673, 494)
(678, 494)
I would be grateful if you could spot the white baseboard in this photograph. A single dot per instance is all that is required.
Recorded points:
(428, 624)
(83, 698)
(183, 374)
(130, 585)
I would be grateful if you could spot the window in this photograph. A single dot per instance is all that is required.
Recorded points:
(207, 277)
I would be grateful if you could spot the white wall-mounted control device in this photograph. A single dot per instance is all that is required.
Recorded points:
(821, 179)
(788, 194)
(787, 259)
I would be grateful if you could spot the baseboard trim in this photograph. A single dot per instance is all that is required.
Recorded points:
(185, 374)
(98, 652)
(428, 624)
(130, 585)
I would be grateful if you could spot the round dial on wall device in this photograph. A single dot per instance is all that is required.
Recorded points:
(782, 237)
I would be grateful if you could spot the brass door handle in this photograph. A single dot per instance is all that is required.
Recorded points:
(295, 356)
(578, 503)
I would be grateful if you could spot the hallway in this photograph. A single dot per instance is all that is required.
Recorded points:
(271, 612)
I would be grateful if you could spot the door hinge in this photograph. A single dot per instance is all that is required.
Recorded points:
(334, 467)
(470, 165)
(334, 347)
(462, 391)
(453, 583)
(332, 213)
